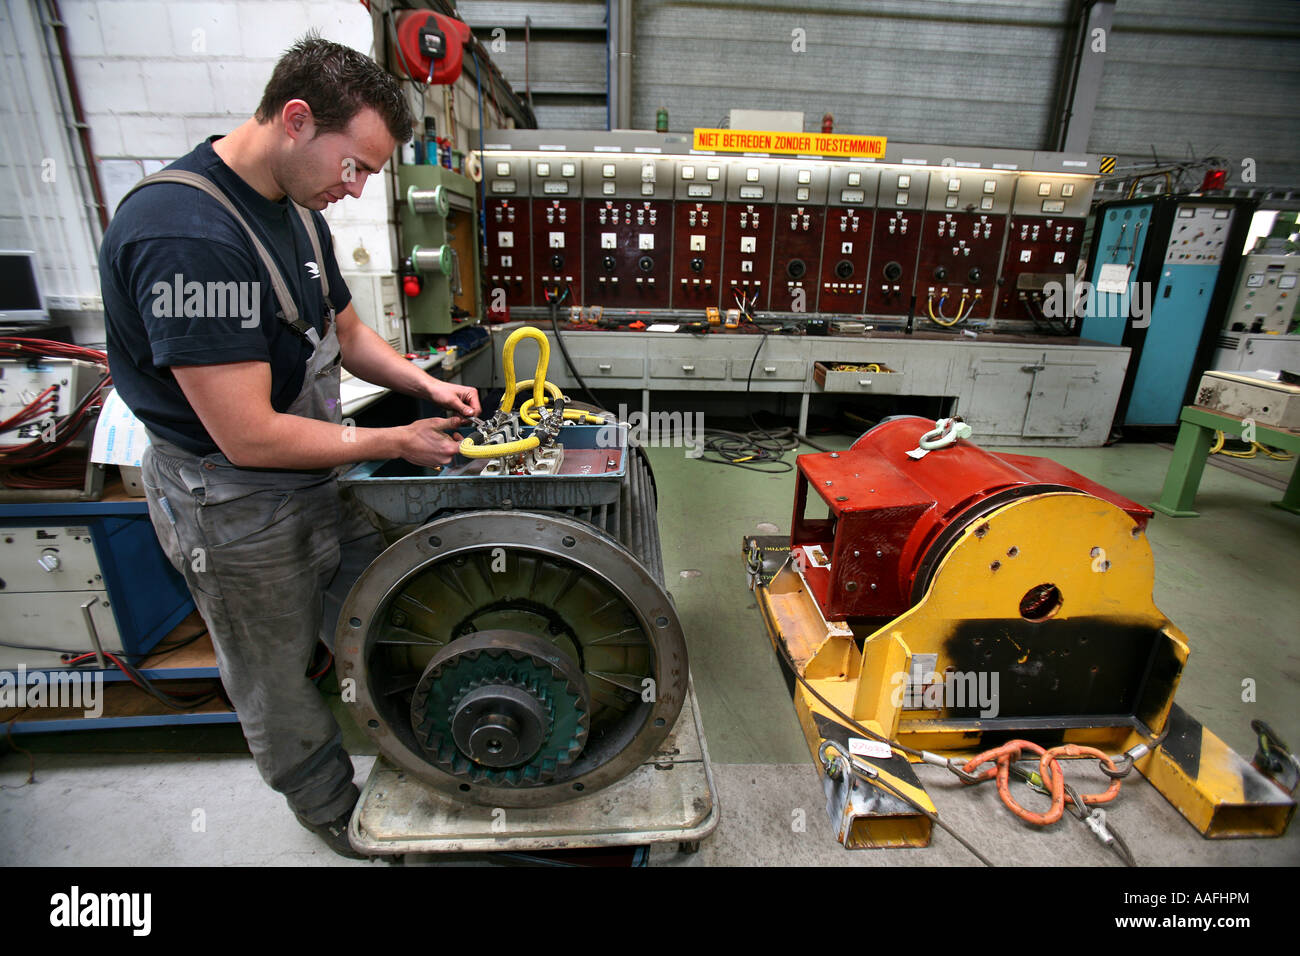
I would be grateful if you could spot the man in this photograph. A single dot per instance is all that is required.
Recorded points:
(227, 319)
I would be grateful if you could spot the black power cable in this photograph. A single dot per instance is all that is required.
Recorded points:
(554, 301)
(760, 450)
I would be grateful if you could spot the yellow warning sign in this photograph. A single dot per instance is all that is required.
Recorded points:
(773, 141)
(1107, 164)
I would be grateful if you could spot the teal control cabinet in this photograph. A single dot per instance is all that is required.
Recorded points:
(1161, 273)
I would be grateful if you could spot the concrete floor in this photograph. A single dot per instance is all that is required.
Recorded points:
(1226, 578)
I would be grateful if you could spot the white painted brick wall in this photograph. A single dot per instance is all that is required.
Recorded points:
(109, 87)
(153, 88)
(210, 29)
(134, 29)
(267, 27)
(158, 78)
(148, 137)
(237, 84)
(177, 89)
(84, 35)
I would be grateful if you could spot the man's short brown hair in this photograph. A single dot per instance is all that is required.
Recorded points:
(337, 82)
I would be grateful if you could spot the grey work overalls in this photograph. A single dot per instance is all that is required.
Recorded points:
(269, 557)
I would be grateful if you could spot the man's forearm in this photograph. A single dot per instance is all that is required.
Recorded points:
(292, 442)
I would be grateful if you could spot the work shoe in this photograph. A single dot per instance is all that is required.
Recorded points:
(335, 835)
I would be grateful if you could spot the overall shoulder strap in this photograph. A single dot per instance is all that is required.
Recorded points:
(305, 215)
(288, 308)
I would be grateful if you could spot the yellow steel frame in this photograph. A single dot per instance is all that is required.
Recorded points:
(1102, 565)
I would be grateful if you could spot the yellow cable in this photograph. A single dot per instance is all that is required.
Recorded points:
(1220, 439)
(471, 450)
(552, 389)
(570, 415)
(939, 321)
(1255, 447)
(508, 365)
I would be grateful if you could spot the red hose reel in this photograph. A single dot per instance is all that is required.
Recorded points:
(432, 46)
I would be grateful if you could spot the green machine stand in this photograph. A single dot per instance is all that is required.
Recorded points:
(1195, 434)
(440, 245)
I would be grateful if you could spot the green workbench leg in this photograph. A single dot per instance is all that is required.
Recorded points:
(1291, 498)
(1185, 468)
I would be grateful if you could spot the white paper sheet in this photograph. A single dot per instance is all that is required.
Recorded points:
(120, 438)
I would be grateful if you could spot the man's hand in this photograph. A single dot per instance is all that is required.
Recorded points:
(426, 442)
(371, 359)
(253, 435)
(459, 398)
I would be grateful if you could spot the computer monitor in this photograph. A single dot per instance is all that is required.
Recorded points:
(20, 294)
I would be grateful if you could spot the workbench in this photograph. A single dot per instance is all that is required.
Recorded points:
(1195, 435)
(1011, 389)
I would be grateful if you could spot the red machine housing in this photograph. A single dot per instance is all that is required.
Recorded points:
(445, 69)
(892, 518)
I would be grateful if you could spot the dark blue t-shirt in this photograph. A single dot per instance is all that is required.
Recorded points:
(183, 285)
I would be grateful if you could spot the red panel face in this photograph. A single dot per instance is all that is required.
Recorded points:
(846, 254)
(697, 272)
(896, 239)
(508, 266)
(557, 248)
(748, 239)
(1041, 250)
(958, 264)
(620, 271)
(796, 263)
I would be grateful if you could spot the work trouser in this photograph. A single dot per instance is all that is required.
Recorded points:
(269, 558)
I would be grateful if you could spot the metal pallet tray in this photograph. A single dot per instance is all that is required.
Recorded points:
(670, 798)
(405, 493)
